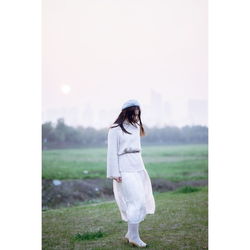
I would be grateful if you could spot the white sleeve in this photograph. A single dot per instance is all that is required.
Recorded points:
(112, 155)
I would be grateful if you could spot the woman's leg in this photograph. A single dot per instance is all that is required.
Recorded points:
(134, 196)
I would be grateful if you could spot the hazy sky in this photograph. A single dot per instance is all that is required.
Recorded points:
(98, 54)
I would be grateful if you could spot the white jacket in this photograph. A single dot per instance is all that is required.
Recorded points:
(124, 150)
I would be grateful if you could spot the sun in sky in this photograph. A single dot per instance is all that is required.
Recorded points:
(66, 89)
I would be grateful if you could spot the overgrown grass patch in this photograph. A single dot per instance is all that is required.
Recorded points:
(187, 189)
(88, 235)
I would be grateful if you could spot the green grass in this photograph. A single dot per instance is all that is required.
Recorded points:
(175, 163)
(180, 222)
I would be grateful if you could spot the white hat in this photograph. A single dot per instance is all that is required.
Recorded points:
(130, 103)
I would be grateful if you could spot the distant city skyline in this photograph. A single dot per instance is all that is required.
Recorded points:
(98, 54)
(158, 112)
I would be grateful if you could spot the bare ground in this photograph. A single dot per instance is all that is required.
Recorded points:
(72, 192)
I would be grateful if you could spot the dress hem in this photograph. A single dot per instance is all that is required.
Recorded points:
(121, 200)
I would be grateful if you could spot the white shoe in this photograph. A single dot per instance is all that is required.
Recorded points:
(138, 243)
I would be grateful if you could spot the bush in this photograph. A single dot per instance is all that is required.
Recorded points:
(187, 189)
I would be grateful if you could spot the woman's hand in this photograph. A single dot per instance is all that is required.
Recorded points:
(118, 179)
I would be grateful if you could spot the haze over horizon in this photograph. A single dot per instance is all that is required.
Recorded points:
(98, 54)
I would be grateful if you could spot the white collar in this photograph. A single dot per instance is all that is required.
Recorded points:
(129, 124)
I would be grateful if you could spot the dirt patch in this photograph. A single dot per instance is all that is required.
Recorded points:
(63, 193)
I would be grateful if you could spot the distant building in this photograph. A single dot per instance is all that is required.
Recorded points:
(198, 112)
(167, 113)
(155, 111)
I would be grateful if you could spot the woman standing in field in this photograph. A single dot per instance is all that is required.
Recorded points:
(131, 183)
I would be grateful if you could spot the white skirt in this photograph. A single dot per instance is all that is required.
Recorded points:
(134, 196)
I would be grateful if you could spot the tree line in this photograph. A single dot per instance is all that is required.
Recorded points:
(64, 136)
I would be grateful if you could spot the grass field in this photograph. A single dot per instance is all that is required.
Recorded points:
(181, 217)
(180, 222)
(175, 163)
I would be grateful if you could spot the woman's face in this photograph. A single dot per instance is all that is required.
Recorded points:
(136, 114)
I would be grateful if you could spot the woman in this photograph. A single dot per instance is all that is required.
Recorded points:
(131, 183)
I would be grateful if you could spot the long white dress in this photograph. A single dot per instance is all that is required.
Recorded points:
(134, 195)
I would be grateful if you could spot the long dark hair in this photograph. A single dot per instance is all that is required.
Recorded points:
(129, 114)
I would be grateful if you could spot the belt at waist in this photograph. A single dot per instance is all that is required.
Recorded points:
(128, 152)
